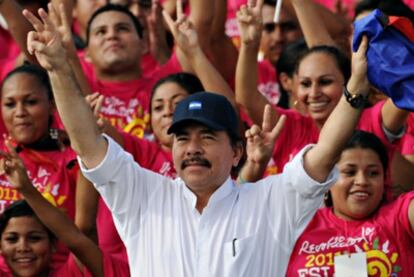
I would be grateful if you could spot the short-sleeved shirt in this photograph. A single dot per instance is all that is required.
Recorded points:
(54, 174)
(127, 103)
(300, 130)
(244, 230)
(386, 237)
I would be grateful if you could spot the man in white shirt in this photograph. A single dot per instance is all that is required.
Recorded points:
(200, 224)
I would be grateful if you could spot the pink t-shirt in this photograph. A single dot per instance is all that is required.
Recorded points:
(54, 174)
(300, 130)
(149, 155)
(407, 142)
(267, 82)
(112, 268)
(126, 103)
(8, 46)
(231, 27)
(386, 238)
(6, 65)
(409, 3)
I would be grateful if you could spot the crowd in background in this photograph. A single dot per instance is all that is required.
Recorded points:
(133, 66)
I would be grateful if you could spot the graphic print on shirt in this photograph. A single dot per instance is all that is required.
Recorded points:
(131, 116)
(382, 258)
(271, 91)
(44, 181)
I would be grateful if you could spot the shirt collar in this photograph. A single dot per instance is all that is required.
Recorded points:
(223, 191)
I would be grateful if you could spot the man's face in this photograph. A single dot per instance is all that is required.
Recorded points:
(203, 158)
(275, 36)
(114, 44)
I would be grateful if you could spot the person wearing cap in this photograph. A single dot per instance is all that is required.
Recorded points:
(202, 223)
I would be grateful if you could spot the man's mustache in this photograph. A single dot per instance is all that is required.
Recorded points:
(195, 161)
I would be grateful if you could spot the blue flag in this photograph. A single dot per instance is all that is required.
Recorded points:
(390, 55)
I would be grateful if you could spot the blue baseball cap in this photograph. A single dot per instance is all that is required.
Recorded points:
(209, 109)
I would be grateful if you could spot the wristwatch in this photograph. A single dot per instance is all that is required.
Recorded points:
(357, 101)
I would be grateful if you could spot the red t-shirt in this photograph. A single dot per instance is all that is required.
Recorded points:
(300, 130)
(8, 47)
(112, 268)
(407, 141)
(386, 238)
(54, 174)
(267, 82)
(127, 103)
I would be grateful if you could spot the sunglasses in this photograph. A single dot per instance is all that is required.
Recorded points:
(284, 26)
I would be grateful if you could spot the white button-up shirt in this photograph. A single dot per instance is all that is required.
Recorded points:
(247, 230)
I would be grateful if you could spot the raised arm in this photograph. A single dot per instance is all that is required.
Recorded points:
(259, 147)
(337, 25)
(311, 23)
(187, 41)
(78, 119)
(64, 229)
(393, 118)
(337, 130)
(18, 26)
(87, 199)
(250, 25)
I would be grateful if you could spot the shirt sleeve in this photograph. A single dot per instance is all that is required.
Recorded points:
(294, 199)
(124, 186)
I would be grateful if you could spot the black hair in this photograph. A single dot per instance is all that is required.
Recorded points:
(289, 55)
(342, 61)
(113, 7)
(36, 71)
(20, 208)
(41, 3)
(187, 81)
(287, 64)
(365, 140)
(394, 7)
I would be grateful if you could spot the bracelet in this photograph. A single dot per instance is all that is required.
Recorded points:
(356, 101)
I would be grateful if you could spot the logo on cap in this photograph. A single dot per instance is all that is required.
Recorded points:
(195, 105)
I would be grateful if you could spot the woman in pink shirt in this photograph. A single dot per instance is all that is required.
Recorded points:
(29, 228)
(356, 222)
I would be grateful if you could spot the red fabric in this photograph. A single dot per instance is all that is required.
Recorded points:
(50, 175)
(150, 155)
(404, 25)
(301, 130)
(407, 142)
(267, 82)
(126, 104)
(8, 47)
(113, 267)
(386, 238)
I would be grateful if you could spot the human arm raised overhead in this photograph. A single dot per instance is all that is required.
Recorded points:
(46, 44)
(339, 126)
(84, 249)
(250, 25)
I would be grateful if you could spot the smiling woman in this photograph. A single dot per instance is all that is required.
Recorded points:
(357, 220)
(28, 112)
(25, 243)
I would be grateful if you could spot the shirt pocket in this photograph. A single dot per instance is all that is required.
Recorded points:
(238, 256)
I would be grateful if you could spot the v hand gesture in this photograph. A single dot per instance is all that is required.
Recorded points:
(261, 141)
(45, 42)
(250, 22)
(12, 166)
(183, 31)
